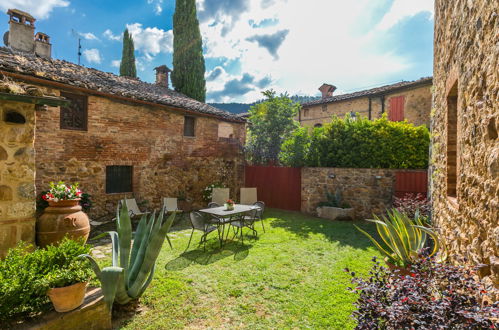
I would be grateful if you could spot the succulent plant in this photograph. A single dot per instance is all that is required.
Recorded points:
(404, 238)
(132, 264)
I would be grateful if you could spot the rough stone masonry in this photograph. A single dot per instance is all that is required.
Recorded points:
(465, 125)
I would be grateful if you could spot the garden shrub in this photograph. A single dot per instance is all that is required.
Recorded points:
(435, 296)
(27, 274)
(411, 204)
(360, 143)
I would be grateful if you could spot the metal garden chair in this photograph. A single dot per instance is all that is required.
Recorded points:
(247, 221)
(198, 222)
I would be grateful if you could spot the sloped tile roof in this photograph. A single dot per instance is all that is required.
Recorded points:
(79, 76)
(372, 92)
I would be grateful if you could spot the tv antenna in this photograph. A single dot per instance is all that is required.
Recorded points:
(78, 36)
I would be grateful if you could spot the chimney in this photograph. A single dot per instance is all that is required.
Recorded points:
(327, 90)
(21, 31)
(42, 45)
(162, 72)
(21, 35)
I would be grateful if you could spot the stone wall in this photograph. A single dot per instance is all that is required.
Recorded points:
(466, 57)
(417, 107)
(165, 163)
(17, 176)
(368, 191)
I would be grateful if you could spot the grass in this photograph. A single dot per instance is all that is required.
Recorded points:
(289, 277)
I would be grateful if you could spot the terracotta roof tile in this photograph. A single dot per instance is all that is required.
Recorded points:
(371, 92)
(79, 76)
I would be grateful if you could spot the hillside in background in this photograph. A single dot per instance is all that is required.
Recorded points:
(244, 107)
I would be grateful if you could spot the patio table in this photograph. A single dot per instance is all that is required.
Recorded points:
(226, 216)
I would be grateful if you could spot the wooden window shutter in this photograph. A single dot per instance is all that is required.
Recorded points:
(396, 108)
(74, 116)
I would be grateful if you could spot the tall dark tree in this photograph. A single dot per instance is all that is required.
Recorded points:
(127, 66)
(188, 61)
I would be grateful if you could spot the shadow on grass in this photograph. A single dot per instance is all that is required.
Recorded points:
(342, 232)
(212, 254)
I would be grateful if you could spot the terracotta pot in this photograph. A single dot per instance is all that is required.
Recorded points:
(69, 297)
(400, 270)
(61, 218)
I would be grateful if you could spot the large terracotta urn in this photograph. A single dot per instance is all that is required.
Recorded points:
(61, 218)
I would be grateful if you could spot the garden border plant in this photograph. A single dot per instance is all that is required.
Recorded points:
(358, 143)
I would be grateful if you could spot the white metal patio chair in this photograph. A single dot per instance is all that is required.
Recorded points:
(220, 195)
(133, 208)
(248, 196)
(170, 204)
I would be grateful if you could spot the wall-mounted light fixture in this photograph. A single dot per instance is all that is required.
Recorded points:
(332, 176)
(377, 177)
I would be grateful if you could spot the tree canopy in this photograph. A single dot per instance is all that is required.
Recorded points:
(188, 61)
(127, 65)
(271, 122)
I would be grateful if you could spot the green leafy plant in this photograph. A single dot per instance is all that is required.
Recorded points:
(26, 274)
(403, 238)
(334, 200)
(359, 143)
(132, 266)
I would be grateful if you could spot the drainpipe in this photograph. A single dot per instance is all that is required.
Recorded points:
(382, 104)
(369, 108)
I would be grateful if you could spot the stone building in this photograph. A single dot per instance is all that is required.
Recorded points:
(465, 124)
(409, 100)
(122, 137)
(18, 104)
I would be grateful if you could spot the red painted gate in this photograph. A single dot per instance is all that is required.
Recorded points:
(278, 187)
(411, 182)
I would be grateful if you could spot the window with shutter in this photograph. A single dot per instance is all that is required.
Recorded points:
(396, 108)
(74, 116)
(119, 179)
(189, 123)
(452, 160)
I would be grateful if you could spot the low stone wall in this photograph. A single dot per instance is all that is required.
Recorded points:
(369, 191)
(17, 176)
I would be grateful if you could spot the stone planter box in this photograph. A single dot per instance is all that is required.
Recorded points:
(336, 213)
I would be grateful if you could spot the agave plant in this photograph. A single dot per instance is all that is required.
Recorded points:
(132, 265)
(403, 237)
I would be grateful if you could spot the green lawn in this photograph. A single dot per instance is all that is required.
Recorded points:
(289, 277)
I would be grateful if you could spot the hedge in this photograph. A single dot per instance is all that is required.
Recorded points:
(359, 143)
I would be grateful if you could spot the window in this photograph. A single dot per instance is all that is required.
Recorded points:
(119, 179)
(452, 162)
(189, 126)
(305, 112)
(324, 107)
(396, 108)
(74, 116)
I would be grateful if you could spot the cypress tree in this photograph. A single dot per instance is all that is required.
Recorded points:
(127, 66)
(188, 61)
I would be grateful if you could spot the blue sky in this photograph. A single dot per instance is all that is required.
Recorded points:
(251, 45)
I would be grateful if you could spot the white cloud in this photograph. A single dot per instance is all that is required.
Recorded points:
(92, 55)
(38, 9)
(108, 34)
(323, 44)
(89, 36)
(115, 63)
(401, 9)
(158, 9)
(151, 41)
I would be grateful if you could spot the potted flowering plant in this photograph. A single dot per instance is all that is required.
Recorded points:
(63, 216)
(229, 205)
(62, 192)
